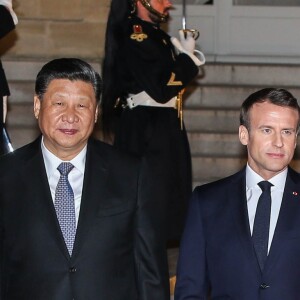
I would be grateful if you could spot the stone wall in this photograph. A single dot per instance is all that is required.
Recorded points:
(57, 28)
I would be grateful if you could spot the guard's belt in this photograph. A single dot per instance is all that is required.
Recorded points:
(144, 99)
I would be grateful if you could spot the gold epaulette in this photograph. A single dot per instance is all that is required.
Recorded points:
(138, 33)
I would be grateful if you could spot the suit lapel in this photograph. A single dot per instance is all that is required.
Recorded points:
(237, 194)
(41, 201)
(95, 177)
(288, 219)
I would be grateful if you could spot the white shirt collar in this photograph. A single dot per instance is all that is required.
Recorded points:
(252, 179)
(52, 161)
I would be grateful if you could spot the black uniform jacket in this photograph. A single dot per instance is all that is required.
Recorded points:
(6, 25)
(148, 62)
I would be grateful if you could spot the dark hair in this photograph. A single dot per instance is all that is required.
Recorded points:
(67, 68)
(280, 97)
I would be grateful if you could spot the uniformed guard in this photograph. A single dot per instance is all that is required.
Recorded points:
(8, 21)
(145, 72)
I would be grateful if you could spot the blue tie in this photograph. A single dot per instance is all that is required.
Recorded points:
(260, 235)
(64, 205)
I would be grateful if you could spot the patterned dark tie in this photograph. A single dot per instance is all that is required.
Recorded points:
(64, 205)
(260, 235)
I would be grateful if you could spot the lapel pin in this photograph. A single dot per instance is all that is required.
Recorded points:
(295, 193)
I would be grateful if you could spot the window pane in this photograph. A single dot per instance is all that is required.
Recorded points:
(267, 2)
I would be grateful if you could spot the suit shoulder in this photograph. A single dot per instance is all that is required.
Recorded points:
(18, 156)
(212, 198)
(12, 163)
(218, 187)
(293, 174)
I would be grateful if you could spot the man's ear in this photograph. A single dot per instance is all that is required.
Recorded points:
(139, 4)
(243, 135)
(36, 106)
(141, 10)
(96, 113)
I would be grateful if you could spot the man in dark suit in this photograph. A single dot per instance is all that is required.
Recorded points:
(8, 21)
(242, 243)
(79, 235)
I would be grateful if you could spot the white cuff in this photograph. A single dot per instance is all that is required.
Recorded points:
(195, 59)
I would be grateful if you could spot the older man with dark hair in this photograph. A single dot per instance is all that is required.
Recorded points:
(70, 221)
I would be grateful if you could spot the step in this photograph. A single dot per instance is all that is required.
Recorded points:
(21, 92)
(227, 97)
(22, 136)
(210, 73)
(221, 96)
(215, 144)
(206, 169)
(211, 120)
(249, 74)
(28, 69)
(21, 115)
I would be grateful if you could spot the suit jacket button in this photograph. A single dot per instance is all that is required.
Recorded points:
(72, 270)
(264, 286)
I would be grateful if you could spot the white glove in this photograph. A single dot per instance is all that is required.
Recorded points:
(4, 108)
(8, 5)
(198, 62)
(187, 41)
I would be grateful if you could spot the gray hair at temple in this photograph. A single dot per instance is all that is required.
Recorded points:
(67, 68)
(280, 97)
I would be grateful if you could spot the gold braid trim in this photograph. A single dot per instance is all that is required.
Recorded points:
(180, 107)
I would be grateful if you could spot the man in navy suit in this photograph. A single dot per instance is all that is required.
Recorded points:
(218, 254)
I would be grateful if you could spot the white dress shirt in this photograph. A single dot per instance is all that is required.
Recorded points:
(75, 176)
(253, 192)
